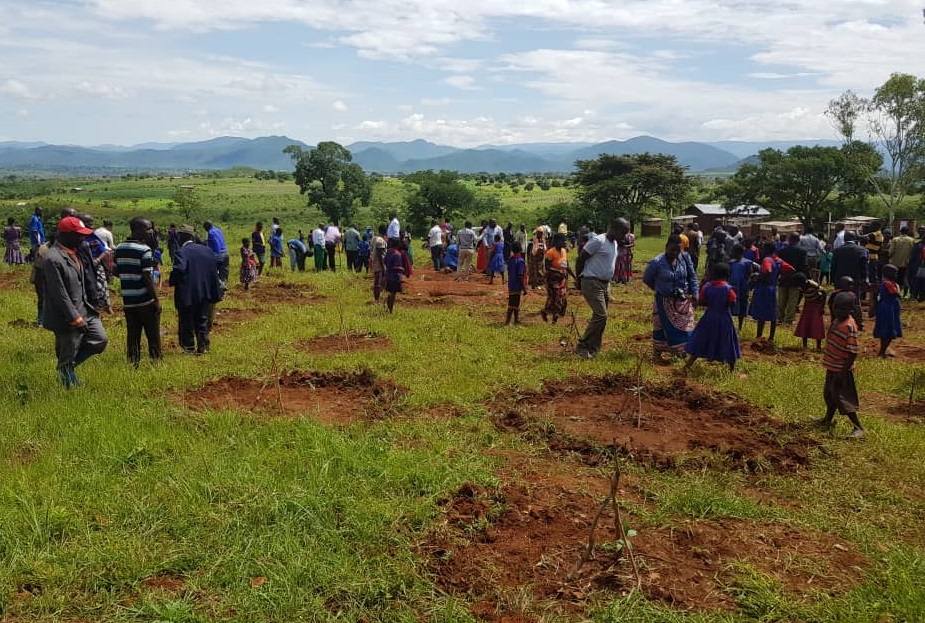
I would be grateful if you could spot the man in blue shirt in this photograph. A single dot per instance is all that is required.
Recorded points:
(36, 232)
(216, 242)
(595, 268)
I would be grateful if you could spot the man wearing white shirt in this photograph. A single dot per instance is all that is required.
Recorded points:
(331, 240)
(394, 229)
(839, 239)
(435, 243)
(318, 247)
(595, 268)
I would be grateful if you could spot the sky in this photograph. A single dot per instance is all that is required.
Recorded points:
(454, 72)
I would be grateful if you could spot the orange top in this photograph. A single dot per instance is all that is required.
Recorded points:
(558, 260)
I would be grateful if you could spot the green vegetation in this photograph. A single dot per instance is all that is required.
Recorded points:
(118, 503)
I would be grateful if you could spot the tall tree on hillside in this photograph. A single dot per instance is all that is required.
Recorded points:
(800, 182)
(332, 182)
(613, 186)
(895, 119)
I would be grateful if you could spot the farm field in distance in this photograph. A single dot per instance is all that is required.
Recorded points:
(329, 461)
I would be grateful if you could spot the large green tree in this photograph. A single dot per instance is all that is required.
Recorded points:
(799, 182)
(895, 121)
(332, 182)
(614, 186)
(436, 195)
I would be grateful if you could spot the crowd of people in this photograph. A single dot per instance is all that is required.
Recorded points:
(778, 280)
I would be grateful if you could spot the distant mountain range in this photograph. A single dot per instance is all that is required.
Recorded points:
(388, 158)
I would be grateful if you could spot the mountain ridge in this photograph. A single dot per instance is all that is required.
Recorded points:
(398, 157)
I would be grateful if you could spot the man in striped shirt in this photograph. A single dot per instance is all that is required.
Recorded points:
(841, 349)
(133, 265)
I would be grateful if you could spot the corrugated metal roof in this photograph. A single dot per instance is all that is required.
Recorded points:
(717, 209)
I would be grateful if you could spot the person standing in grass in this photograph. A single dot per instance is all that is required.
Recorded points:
(248, 273)
(811, 325)
(740, 274)
(394, 270)
(352, 241)
(673, 280)
(215, 239)
(435, 244)
(377, 259)
(331, 240)
(297, 251)
(536, 253)
(888, 326)
(557, 272)
(715, 338)
(276, 248)
(841, 350)
(496, 264)
(516, 283)
(258, 245)
(12, 236)
(363, 248)
(763, 307)
(133, 263)
(37, 277)
(466, 241)
(36, 232)
(196, 289)
(68, 312)
(596, 263)
(318, 247)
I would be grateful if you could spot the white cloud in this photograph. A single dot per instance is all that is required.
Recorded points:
(465, 83)
(339, 106)
(270, 109)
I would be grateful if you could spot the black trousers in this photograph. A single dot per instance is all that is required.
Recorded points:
(329, 249)
(194, 324)
(353, 261)
(146, 319)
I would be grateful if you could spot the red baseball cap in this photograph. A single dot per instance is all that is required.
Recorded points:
(73, 224)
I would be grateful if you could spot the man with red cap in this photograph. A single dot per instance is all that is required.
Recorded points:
(79, 333)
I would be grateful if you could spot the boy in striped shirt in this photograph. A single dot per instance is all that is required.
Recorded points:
(841, 349)
(134, 264)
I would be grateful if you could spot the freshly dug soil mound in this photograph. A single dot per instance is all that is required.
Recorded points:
(673, 425)
(329, 397)
(345, 342)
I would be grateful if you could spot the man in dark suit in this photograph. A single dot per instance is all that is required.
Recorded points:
(196, 289)
(788, 292)
(67, 310)
(850, 260)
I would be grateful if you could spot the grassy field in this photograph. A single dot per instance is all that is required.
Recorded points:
(328, 461)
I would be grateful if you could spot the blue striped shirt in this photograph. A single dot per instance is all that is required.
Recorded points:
(131, 260)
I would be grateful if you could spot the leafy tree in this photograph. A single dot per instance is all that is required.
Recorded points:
(188, 203)
(436, 195)
(332, 182)
(626, 186)
(895, 117)
(797, 182)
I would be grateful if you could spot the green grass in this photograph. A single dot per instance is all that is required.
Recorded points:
(104, 488)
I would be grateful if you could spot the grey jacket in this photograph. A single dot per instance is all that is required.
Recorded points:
(65, 296)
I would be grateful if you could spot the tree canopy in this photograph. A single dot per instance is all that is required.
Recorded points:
(436, 195)
(895, 119)
(332, 182)
(799, 182)
(613, 186)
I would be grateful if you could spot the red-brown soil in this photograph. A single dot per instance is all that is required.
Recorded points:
(675, 425)
(529, 534)
(894, 408)
(906, 350)
(14, 279)
(227, 318)
(165, 583)
(350, 341)
(276, 292)
(329, 397)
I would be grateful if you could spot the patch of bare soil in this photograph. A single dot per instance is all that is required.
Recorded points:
(426, 287)
(529, 533)
(329, 397)
(903, 349)
(675, 425)
(345, 342)
(276, 292)
(894, 408)
(13, 279)
(227, 318)
(165, 583)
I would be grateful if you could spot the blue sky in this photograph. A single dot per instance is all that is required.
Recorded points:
(461, 73)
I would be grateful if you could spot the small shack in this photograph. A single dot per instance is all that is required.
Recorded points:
(651, 227)
(766, 228)
(711, 215)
